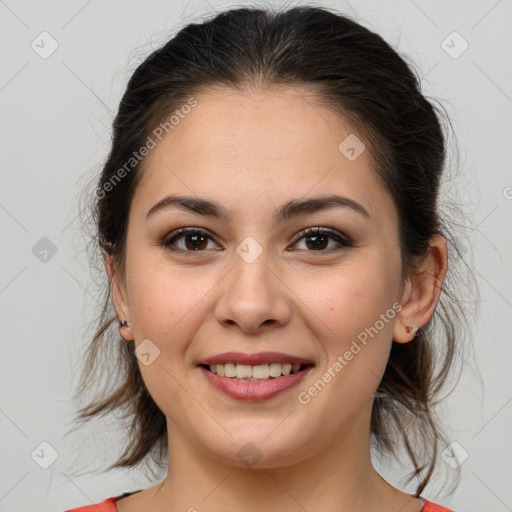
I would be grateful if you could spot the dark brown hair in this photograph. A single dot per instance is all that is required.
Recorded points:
(356, 73)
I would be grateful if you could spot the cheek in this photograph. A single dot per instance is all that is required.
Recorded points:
(348, 300)
(154, 302)
(168, 310)
(353, 315)
(169, 305)
(158, 299)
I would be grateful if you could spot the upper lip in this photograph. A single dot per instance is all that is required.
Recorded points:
(253, 359)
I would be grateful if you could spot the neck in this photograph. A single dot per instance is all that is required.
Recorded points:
(339, 477)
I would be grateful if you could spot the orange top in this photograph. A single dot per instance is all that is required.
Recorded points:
(109, 505)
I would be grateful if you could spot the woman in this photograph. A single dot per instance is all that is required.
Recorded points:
(277, 264)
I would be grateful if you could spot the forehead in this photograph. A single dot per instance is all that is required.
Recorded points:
(244, 146)
(231, 124)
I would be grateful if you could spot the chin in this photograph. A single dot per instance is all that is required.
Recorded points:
(259, 450)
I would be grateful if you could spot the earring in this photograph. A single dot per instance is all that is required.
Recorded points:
(124, 323)
(409, 329)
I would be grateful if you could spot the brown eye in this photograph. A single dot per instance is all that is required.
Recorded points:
(194, 240)
(317, 240)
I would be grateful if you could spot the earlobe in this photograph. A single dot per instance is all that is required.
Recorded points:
(119, 298)
(404, 328)
(421, 292)
(411, 328)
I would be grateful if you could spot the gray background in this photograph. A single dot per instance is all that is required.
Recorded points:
(55, 129)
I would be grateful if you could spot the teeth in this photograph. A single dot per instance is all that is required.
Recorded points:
(258, 372)
(286, 369)
(229, 370)
(262, 371)
(275, 369)
(243, 371)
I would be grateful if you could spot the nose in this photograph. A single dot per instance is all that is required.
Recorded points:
(253, 297)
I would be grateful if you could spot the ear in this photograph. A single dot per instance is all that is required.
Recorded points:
(119, 295)
(421, 290)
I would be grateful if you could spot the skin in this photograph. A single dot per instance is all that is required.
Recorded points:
(252, 152)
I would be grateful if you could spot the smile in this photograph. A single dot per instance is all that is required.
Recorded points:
(256, 383)
(249, 373)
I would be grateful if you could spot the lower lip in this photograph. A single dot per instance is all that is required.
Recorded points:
(254, 391)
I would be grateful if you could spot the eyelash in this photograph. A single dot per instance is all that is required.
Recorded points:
(177, 234)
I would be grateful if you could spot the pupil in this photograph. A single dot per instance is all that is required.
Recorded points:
(195, 238)
(317, 237)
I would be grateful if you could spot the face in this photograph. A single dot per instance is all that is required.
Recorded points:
(249, 278)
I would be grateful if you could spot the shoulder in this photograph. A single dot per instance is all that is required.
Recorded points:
(109, 505)
(433, 507)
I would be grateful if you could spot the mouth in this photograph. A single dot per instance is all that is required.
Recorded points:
(254, 377)
(257, 373)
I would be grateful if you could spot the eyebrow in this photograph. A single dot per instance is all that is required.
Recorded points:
(287, 211)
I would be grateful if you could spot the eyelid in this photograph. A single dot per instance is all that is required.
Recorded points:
(181, 232)
(340, 238)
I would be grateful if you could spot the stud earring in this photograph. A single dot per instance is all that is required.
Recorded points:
(409, 329)
(124, 323)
